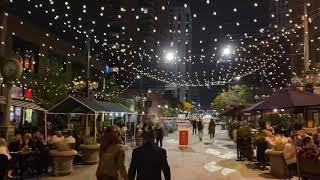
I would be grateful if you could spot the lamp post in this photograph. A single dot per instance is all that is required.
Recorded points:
(88, 64)
(11, 69)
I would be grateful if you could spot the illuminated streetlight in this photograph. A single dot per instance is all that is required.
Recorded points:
(227, 51)
(237, 78)
(138, 77)
(170, 56)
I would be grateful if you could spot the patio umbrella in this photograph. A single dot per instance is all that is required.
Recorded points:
(285, 99)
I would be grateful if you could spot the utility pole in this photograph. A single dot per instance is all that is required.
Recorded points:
(88, 65)
(306, 58)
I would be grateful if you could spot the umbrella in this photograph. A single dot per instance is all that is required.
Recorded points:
(285, 99)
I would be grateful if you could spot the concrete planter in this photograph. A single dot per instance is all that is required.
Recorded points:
(90, 153)
(278, 166)
(62, 161)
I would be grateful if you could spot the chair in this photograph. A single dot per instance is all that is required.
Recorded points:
(308, 168)
(4, 166)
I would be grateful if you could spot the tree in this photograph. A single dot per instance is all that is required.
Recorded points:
(239, 94)
(169, 112)
(48, 88)
(186, 106)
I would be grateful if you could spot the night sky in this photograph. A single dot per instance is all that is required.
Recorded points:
(252, 15)
(226, 17)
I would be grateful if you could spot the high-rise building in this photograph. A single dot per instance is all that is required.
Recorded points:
(181, 44)
(141, 24)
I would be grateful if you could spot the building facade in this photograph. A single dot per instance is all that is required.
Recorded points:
(181, 46)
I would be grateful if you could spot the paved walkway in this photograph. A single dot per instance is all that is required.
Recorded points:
(202, 161)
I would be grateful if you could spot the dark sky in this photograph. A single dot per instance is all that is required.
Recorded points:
(227, 18)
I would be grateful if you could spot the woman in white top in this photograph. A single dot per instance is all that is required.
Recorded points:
(290, 154)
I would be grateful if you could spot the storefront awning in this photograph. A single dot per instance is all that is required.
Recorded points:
(22, 103)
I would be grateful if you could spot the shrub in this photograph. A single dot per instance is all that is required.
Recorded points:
(259, 138)
(244, 132)
(231, 127)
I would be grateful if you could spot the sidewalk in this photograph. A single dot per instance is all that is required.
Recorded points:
(202, 161)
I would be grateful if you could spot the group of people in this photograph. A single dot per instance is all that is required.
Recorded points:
(308, 147)
(198, 125)
(148, 160)
(59, 137)
(21, 142)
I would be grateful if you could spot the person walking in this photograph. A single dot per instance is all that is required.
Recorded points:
(111, 156)
(159, 134)
(212, 128)
(194, 126)
(200, 128)
(149, 160)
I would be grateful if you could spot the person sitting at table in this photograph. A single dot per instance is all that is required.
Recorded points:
(37, 143)
(316, 140)
(301, 135)
(309, 150)
(27, 142)
(69, 139)
(57, 138)
(290, 154)
(17, 144)
(270, 138)
(5, 151)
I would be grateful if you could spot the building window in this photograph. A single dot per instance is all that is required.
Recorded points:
(28, 54)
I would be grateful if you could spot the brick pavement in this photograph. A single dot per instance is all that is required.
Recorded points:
(202, 161)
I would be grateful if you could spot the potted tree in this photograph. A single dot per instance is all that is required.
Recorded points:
(244, 143)
(62, 159)
(89, 151)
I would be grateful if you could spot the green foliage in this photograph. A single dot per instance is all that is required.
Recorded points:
(276, 121)
(49, 87)
(186, 106)
(111, 93)
(239, 94)
(169, 112)
(244, 132)
(259, 137)
(231, 127)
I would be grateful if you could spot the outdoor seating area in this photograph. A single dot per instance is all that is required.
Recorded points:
(71, 135)
(283, 131)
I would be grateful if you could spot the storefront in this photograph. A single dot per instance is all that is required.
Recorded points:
(23, 113)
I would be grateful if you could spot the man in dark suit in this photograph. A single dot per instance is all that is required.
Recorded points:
(148, 160)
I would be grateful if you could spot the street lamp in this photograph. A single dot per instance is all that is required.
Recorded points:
(227, 51)
(170, 56)
(237, 78)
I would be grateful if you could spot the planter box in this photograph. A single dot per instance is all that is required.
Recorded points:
(278, 167)
(90, 153)
(62, 161)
